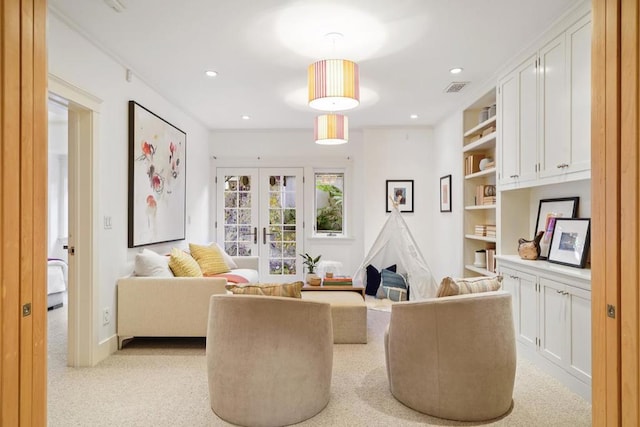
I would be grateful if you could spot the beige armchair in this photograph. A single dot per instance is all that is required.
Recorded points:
(269, 359)
(453, 357)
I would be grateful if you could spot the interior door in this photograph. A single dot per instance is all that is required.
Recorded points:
(260, 214)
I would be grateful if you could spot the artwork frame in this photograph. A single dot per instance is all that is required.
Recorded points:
(570, 242)
(445, 193)
(400, 190)
(157, 179)
(548, 211)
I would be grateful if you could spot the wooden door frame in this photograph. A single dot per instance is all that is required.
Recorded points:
(23, 212)
(615, 212)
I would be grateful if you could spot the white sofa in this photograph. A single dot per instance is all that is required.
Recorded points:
(168, 306)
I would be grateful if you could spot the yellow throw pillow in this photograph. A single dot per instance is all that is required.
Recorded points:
(183, 265)
(449, 286)
(209, 259)
(292, 290)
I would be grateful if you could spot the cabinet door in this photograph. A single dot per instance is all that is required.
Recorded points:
(527, 327)
(579, 73)
(579, 333)
(552, 320)
(508, 111)
(554, 146)
(518, 123)
(528, 120)
(510, 284)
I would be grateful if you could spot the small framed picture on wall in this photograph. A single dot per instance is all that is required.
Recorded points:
(445, 193)
(400, 193)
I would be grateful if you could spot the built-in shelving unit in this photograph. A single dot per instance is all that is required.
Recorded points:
(479, 142)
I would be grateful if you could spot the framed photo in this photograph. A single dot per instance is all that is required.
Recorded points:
(400, 192)
(570, 242)
(157, 178)
(445, 193)
(548, 211)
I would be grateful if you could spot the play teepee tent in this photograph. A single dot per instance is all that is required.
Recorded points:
(395, 245)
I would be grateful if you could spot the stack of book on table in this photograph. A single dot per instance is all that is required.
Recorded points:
(338, 281)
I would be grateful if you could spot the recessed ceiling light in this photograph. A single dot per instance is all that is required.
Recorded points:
(211, 73)
(245, 117)
(414, 116)
(456, 70)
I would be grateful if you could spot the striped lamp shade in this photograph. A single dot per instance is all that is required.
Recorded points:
(334, 85)
(331, 129)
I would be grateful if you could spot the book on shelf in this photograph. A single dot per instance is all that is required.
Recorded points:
(485, 230)
(485, 195)
(491, 260)
(472, 163)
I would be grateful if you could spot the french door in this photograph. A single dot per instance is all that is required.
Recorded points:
(260, 213)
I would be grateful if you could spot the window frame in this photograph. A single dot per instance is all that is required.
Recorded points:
(330, 171)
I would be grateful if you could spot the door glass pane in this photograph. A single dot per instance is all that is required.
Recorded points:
(237, 215)
(282, 224)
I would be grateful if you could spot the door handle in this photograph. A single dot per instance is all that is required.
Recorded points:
(254, 234)
(70, 249)
(265, 234)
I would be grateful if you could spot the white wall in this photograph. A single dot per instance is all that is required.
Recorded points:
(78, 62)
(374, 156)
(445, 251)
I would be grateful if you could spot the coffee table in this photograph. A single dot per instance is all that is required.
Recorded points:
(322, 287)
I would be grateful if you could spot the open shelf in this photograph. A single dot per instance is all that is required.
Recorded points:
(481, 238)
(485, 172)
(480, 127)
(479, 270)
(479, 207)
(486, 142)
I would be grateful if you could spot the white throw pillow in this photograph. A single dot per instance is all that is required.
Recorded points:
(151, 264)
(227, 258)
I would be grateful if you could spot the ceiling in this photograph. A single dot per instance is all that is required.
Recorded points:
(261, 50)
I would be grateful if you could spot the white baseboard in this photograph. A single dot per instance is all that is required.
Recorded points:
(106, 348)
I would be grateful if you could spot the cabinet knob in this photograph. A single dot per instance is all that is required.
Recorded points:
(562, 166)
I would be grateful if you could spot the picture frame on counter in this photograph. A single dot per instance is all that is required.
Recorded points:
(549, 210)
(570, 242)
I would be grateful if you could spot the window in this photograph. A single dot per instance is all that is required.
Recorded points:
(329, 208)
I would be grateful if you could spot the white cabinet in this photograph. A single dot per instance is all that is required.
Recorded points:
(518, 123)
(522, 287)
(565, 94)
(565, 335)
(552, 317)
(544, 105)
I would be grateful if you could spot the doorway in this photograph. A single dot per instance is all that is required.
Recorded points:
(82, 120)
(57, 228)
(261, 214)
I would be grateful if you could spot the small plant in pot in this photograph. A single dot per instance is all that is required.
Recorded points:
(311, 263)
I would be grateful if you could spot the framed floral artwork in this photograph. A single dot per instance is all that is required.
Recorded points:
(157, 181)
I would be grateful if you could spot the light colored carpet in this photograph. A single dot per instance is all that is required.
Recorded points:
(163, 382)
